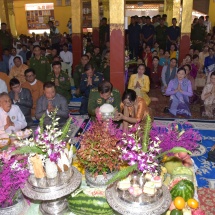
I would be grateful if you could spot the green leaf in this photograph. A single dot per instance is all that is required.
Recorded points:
(147, 128)
(122, 174)
(27, 150)
(65, 129)
(41, 124)
(174, 150)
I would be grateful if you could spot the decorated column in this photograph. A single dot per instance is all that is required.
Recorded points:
(11, 17)
(95, 21)
(172, 9)
(211, 13)
(186, 21)
(77, 43)
(106, 9)
(117, 44)
(3, 12)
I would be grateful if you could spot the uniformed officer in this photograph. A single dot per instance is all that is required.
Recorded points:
(61, 80)
(198, 33)
(161, 33)
(40, 64)
(89, 80)
(96, 58)
(79, 70)
(105, 66)
(173, 34)
(5, 37)
(104, 94)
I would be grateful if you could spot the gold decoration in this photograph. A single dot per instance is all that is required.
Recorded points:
(169, 5)
(186, 19)
(117, 11)
(105, 4)
(117, 27)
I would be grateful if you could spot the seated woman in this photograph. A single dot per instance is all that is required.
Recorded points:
(193, 98)
(140, 83)
(208, 96)
(180, 89)
(155, 73)
(133, 108)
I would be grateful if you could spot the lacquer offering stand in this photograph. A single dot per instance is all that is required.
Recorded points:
(124, 203)
(53, 192)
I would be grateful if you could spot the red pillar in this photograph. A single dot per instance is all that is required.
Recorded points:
(95, 36)
(77, 48)
(117, 56)
(184, 46)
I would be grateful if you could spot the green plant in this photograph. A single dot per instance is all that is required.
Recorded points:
(99, 153)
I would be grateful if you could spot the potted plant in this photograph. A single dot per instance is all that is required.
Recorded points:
(49, 159)
(142, 152)
(98, 152)
(13, 175)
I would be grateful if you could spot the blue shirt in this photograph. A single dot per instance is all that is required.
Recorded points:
(96, 80)
(148, 30)
(23, 54)
(163, 61)
(134, 33)
(3, 67)
(6, 61)
(173, 32)
(208, 62)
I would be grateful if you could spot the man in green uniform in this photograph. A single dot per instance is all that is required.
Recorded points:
(79, 70)
(6, 38)
(104, 33)
(161, 34)
(105, 66)
(40, 64)
(96, 58)
(198, 34)
(104, 94)
(61, 80)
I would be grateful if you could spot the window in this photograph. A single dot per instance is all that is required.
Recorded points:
(59, 2)
(67, 2)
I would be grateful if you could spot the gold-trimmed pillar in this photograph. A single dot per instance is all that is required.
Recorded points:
(186, 21)
(172, 9)
(106, 9)
(77, 42)
(117, 44)
(11, 17)
(211, 13)
(95, 21)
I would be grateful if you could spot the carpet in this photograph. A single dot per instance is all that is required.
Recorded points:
(79, 124)
(207, 200)
(205, 170)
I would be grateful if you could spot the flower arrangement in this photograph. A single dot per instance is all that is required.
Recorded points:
(99, 153)
(172, 136)
(47, 148)
(141, 152)
(13, 175)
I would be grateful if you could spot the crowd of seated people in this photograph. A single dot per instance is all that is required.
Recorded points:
(36, 72)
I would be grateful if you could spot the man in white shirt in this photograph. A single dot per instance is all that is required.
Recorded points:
(207, 23)
(3, 86)
(67, 58)
(13, 55)
(11, 117)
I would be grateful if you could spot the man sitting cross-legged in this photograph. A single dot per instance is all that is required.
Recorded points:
(11, 117)
(49, 102)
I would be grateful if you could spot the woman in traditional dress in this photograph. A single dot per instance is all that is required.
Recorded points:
(133, 109)
(140, 83)
(155, 73)
(180, 89)
(208, 96)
